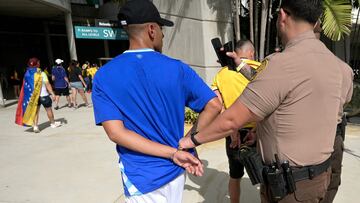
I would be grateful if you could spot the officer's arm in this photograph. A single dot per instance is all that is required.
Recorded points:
(124, 137)
(211, 110)
(226, 123)
(235, 137)
(350, 90)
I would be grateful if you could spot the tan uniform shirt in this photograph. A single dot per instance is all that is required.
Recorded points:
(298, 96)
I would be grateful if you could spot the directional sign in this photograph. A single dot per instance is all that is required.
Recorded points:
(108, 33)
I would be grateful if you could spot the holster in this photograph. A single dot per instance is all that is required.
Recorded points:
(281, 180)
(253, 164)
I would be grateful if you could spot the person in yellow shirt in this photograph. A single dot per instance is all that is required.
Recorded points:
(92, 70)
(228, 85)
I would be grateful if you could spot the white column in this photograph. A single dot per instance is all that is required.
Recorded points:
(196, 23)
(70, 35)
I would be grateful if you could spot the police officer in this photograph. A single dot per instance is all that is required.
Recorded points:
(295, 99)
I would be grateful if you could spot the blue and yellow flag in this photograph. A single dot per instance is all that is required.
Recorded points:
(29, 97)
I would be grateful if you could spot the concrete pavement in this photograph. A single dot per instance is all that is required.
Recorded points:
(77, 163)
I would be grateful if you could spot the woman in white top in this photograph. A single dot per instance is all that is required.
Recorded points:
(46, 101)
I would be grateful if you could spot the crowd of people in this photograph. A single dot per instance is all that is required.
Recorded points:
(38, 90)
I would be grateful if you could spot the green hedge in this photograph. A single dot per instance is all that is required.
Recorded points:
(190, 116)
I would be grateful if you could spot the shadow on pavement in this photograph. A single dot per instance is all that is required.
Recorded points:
(64, 106)
(352, 153)
(213, 187)
(45, 125)
(11, 102)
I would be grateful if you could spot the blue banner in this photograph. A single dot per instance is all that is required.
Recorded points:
(107, 33)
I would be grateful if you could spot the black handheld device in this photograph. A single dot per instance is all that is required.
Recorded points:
(221, 54)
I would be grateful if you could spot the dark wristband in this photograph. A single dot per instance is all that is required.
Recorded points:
(192, 136)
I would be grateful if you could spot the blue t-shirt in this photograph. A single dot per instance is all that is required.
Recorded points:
(148, 91)
(60, 74)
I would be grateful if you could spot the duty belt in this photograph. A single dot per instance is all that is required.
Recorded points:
(309, 172)
(280, 178)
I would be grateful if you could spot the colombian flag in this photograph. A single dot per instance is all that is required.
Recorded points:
(29, 97)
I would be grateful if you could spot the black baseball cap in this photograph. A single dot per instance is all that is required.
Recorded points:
(139, 12)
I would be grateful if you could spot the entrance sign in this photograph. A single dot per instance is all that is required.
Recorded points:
(107, 33)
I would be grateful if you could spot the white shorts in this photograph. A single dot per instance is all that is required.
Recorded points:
(169, 193)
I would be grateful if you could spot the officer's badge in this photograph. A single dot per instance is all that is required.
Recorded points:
(263, 65)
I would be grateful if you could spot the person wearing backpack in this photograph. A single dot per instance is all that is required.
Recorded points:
(61, 83)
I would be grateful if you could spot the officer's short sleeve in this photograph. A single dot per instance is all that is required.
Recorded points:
(104, 107)
(197, 93)
(267, 91)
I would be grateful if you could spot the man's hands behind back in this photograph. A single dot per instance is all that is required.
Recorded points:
(189, 162)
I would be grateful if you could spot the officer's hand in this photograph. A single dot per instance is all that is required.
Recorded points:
(234, 56)
(186, 143)
(250, 138)
(190, 163)
(235, 140)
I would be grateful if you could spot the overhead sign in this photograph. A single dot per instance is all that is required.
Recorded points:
(107, 33)
(105, 23)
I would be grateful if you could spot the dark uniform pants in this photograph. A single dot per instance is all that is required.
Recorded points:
(336, 159)
(307, 191)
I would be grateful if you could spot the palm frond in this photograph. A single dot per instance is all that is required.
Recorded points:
(336, 19)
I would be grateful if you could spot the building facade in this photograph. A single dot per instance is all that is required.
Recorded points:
(50, 29)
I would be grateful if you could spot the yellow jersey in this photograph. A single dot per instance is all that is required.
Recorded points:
(91, 71)
(231, 84)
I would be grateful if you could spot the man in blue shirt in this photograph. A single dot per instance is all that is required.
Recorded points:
(139, 98)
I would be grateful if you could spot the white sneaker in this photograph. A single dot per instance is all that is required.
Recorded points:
(36, 129)
(55, 124)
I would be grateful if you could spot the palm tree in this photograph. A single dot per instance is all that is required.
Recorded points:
(336, 20)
